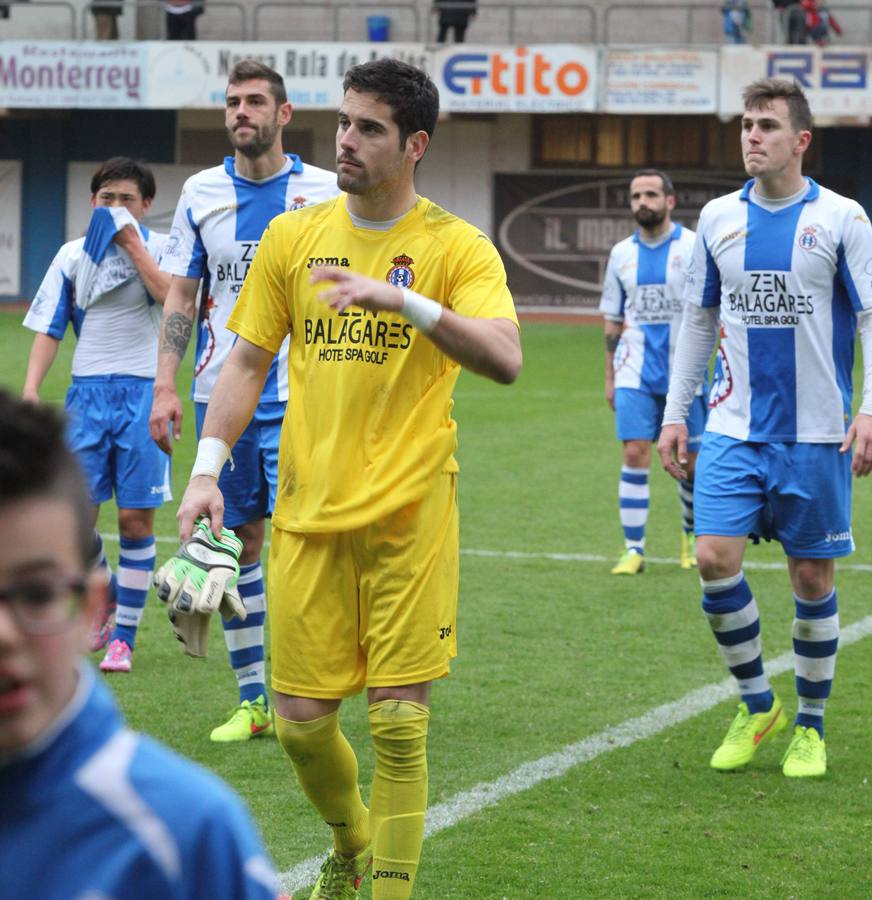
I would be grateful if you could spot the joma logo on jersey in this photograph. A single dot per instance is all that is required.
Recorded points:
(328, 261)
(808, 238)
(732, 236)
(387, 873)
(400, 274)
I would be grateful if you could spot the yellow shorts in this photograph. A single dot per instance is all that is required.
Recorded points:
(374, 607)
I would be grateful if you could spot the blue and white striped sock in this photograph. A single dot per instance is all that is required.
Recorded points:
(685, 495)
(135, 568)
(633, 499)
(734, 620)
(245, 639)
(815, 643)
(99, 563)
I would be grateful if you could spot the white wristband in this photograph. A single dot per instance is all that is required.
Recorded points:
(212, 453)
(421, 311)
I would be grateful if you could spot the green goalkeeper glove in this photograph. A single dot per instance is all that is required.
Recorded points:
(201, 578)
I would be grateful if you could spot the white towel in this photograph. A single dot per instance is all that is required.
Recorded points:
(106, 222)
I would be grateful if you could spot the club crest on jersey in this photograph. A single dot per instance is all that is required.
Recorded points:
(297, 203)
(400, 274)
(676, 263)
(722, 380)
(208, 339)
(808, 238)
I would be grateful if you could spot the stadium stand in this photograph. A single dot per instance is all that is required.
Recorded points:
(498, 21)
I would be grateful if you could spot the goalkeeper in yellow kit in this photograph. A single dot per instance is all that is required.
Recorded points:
(385, 296)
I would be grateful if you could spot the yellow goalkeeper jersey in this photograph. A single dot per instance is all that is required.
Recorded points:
(368, 423)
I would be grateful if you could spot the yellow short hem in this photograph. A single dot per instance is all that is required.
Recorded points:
(318, 693)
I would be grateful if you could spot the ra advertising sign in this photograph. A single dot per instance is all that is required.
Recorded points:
(533, 78)
(835, 80)
(554, 232)
(61, 74)
(649, 80)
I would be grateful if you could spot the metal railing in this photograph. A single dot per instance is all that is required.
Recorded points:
(336, 10)
(86, 27)
(528, 15)
(17, 8)
(639, 23)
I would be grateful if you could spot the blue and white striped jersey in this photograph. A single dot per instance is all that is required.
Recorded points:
(98, 811)
(788, 284)
(117, 334)
(217, 227)
(644, 288)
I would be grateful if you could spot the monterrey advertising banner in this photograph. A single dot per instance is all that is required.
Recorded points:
(554, 232)
(63, 75)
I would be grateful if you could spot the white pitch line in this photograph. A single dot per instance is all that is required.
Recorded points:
(573, 557)
(469, 802)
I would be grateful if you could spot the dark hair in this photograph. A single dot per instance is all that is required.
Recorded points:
(36, 462)
(123, 168)
(251, 69)
(665, 180)
(410, 93)
(763, 91)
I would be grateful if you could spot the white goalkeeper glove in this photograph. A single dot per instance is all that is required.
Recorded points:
(199, 579)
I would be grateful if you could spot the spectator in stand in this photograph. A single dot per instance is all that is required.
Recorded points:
(181, 19)
(737, 21)
(106, 20)
(454, 14)
(792, 17)
(819, 22)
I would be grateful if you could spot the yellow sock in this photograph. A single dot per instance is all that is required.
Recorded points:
(399, 795)
(326, 768)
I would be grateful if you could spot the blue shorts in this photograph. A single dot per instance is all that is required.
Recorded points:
(108, 432)
(638, 416)
(249, 488)
(799, 494)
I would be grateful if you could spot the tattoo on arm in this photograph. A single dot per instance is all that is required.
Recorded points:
(612, 341)
(176, 334)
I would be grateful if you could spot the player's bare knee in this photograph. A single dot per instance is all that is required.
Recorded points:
(812, 578)
(637, 454)
(417, 693)
(715, 560)
(251, 534)
(135, 524)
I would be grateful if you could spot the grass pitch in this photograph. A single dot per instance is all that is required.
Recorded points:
(554, 651)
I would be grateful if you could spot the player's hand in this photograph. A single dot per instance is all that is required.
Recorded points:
(127, 237)
(672, 448)
(165, 422)
(610, 394)
(352, 289)
(200, 579)
(202, 497)
(861, 432)
(29, 395)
